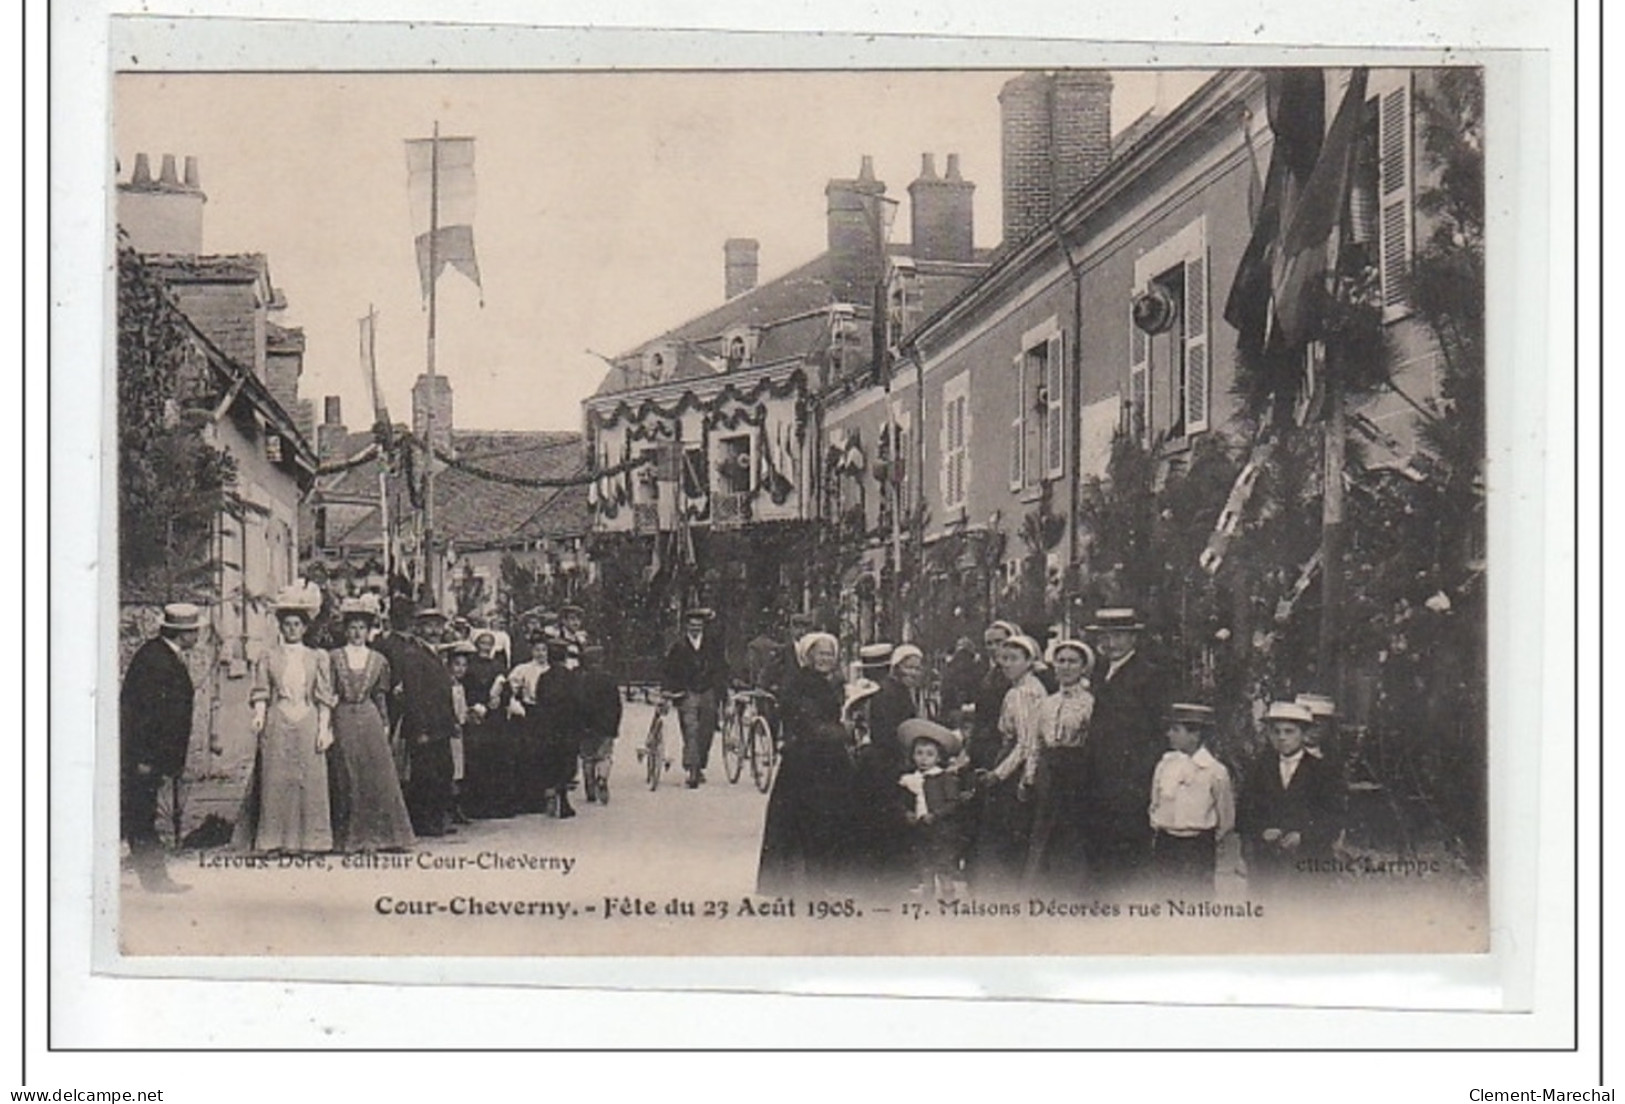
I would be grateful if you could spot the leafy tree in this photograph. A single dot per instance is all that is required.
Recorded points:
(172, 484)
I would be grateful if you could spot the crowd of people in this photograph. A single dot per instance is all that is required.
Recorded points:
(1076, 768)
(1073, 768)
(368, 738)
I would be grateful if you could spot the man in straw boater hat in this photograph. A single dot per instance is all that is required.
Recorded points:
(1193, 807)
(427, 721)
(1288, 813)
(696, 677)
(155, 728)
(1126, 741)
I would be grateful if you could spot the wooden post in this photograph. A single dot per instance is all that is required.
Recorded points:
(1331, 530)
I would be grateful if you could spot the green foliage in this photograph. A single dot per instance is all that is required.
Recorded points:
(172, 484)
(1146, 524)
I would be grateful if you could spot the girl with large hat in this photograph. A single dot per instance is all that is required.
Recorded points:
(369, 813)
(286, 809)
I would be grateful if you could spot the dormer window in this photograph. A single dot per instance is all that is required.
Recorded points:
(659, 362)
(739, 346)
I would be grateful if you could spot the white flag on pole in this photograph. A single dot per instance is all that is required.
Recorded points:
(454, 238)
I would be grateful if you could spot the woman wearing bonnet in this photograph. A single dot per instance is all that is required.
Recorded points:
(807, 831)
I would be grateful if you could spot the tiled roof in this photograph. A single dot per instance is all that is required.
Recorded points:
(472, 511)
(786, 312)
(230, 267)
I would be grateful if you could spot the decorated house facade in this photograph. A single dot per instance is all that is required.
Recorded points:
(1103, 320)
(721, 486)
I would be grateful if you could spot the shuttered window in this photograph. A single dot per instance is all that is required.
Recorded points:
(1054, 423)
(1138, 410)
(1018, 426)
(1396, 183)
(1197, 368)
(1178, 357)
(955, 438)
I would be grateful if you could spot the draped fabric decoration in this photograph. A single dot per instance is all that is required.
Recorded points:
(1229, 520)
(727, 396)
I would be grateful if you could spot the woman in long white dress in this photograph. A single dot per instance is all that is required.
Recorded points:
(287, 807)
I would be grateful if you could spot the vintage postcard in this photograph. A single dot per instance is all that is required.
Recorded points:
(1036, 511)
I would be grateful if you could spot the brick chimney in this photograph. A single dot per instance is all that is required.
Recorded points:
(433, 392)
(284, 363)
(163, 215)
(940, 209)
(331, 436)
(1081, 124)
(739, 265)
(854, 246)
(1056, 139)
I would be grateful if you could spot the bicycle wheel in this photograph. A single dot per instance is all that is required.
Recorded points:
(654, 752)
(733, 746)
(763, 759)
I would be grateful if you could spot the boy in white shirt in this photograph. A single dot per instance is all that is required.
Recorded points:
(1193, 806)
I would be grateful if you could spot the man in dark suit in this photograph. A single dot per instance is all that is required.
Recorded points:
(1288, 813)
(696, 675)
(426, 718)
(1126, 741)
(155, 727)
(986, 744)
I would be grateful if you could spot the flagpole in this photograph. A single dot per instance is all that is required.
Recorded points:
(431, 559)
(1331, 529)
(383, 456)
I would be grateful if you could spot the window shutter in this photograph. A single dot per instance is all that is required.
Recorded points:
(1138, 409)
(1197, 372)
(962, 468)
(945, 450)
(1018, 428)
(1396, 172)
(1054, 385)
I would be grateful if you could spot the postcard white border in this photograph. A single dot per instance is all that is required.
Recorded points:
(1538, 551)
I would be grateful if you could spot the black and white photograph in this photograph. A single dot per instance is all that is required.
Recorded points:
(861, 512)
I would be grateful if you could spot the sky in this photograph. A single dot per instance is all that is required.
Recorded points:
(603, 202)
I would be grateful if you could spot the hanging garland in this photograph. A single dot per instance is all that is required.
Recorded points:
(792, 384)
(409, 467)
(726, 420)
(366, 455)
(653, 431)
(579, 479)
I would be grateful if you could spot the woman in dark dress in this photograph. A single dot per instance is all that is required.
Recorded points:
(524, 731)
(807, 834)
(369, 813)
(488, 756)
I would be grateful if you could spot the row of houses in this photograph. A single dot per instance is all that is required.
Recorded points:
(898, 435)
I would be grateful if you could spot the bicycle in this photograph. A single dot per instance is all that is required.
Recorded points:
(749, 734)
(653, 752)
